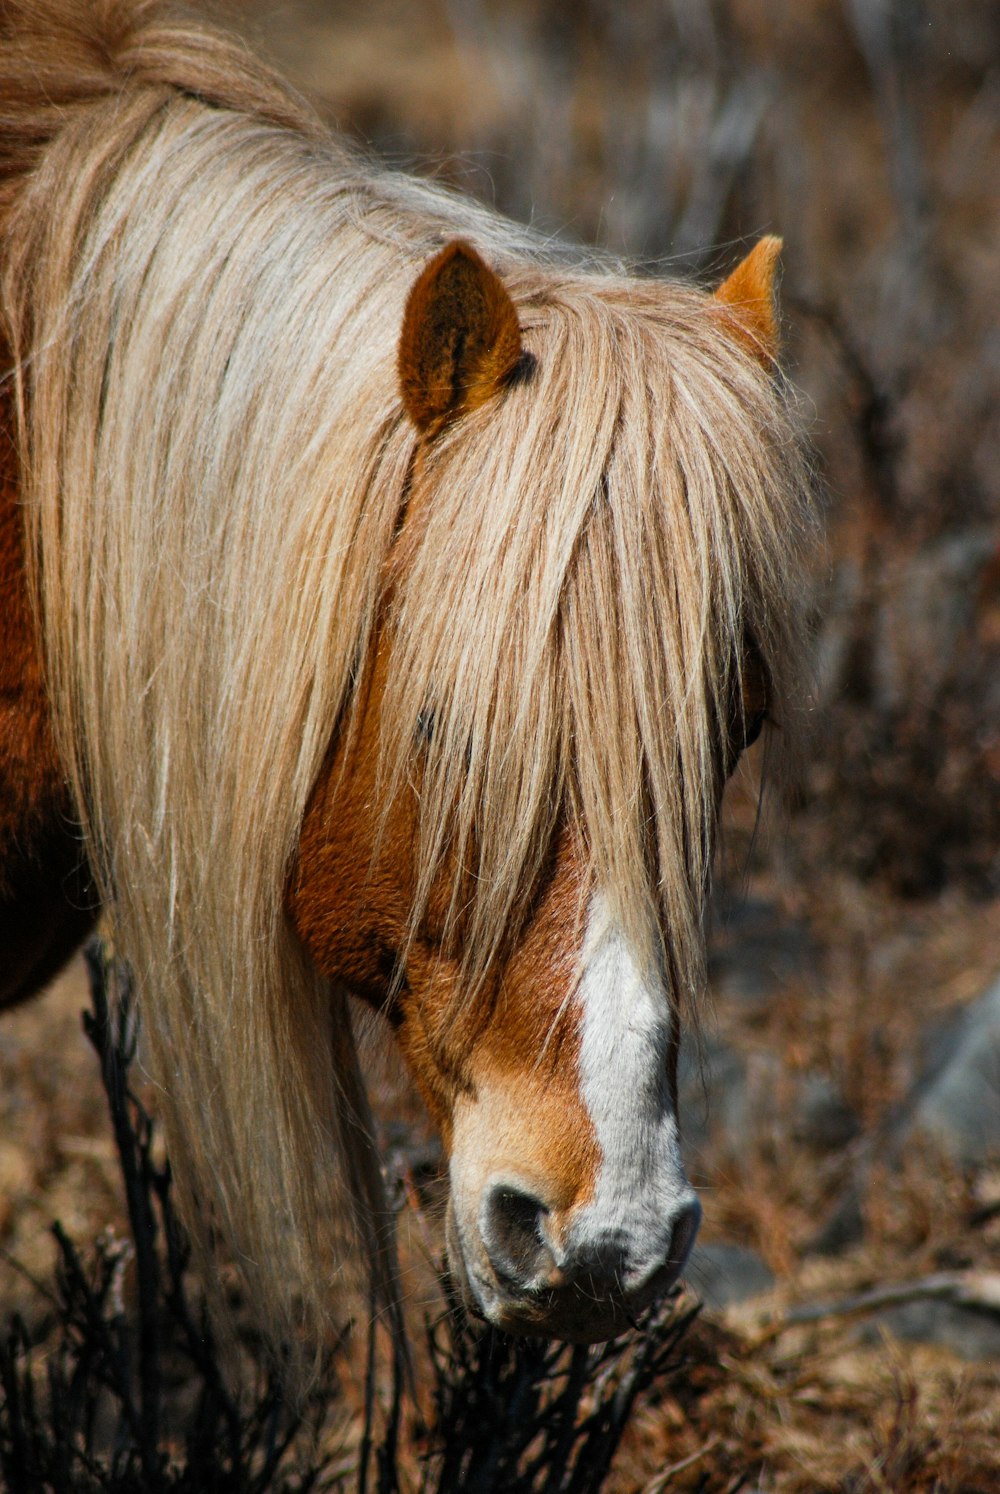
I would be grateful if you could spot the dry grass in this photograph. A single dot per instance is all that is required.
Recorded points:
(803, 1389)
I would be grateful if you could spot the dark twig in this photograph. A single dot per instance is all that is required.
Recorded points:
(541, 1418)
(135, 1398)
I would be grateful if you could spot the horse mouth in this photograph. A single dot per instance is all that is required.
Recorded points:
(584, 1310)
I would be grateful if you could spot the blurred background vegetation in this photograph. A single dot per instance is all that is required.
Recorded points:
(867, 134)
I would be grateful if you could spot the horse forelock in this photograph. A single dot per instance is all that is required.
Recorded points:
(216, 459)
(594, 552)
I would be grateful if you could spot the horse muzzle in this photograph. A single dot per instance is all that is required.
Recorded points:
(529, 1268)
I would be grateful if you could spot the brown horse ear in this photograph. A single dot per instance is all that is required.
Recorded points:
(749, 294)
(460, 338)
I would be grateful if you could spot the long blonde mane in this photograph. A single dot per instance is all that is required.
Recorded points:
(204, 292)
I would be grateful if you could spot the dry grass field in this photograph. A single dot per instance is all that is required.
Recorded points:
(857, 934)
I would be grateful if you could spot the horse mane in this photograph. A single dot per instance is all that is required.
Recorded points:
(203, 293)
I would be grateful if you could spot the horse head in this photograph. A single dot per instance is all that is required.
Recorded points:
(550, 1065)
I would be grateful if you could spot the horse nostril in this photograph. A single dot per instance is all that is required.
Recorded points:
(683, 1234)
(511, 1229)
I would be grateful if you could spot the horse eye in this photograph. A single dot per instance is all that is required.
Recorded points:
(753, 727)
(425, 726)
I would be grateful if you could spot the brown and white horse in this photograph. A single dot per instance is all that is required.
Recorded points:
(387, 595)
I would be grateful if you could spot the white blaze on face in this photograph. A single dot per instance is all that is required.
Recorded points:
(626, 1031)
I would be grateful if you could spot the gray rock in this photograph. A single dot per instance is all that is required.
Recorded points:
(843, 1227)
(823, 1120)
(957, 1101)
(727, 1097)
(711, 1092)
(970, 1334)
(754, 951)
(722, 1275)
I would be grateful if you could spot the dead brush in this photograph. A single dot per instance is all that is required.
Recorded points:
(536, 1416)
(123, 1386)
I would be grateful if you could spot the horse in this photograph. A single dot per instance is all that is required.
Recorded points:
(388, 594)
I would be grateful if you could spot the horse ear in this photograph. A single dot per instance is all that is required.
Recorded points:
(460, 338)
(749, 294)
